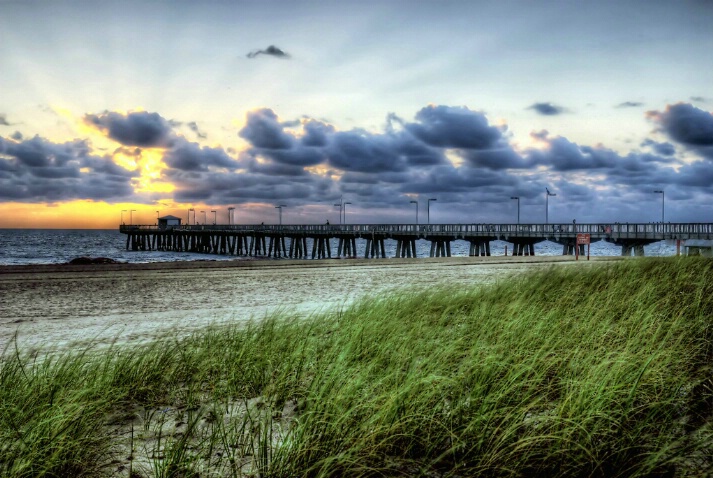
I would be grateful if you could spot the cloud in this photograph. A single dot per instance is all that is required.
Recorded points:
(193, 126)
(264, 130)
(187, 156)
(320, 143)
(3, 120)
(699, 99)
(359, 151)
(546, 109)
(454, 127)
(316, 133)
(687, 125)
(143, 129)
(37, 170)
(664, 149)
(272, 50)
(407, 159)
(630, 104)
(450, 152)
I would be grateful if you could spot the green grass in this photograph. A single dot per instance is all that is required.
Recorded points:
(574, 371)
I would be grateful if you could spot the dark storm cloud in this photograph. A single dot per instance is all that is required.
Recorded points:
(276, 169)
(143, 129)
(664, 149)
(316, 133)
(320, 143)
(272, 50)
(17, 136)
(699, 99)
(454, 127)
(497, 158)
(37, 170)
(187, 156)
(449, 179)
(630, 104)
(687, 125)
(698, 174)
(257, 185)
(3, 120)
(560, 154)
(264, 130)
(416, 153)
(546, 109)
(298, 156)
(360, 151)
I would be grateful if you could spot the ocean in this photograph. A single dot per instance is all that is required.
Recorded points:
(56, 246)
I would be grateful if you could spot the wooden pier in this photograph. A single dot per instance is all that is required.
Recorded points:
(292, 240)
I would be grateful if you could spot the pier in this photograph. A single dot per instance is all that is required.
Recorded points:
(291, 241)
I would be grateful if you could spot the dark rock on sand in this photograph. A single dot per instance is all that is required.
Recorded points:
(92, 260)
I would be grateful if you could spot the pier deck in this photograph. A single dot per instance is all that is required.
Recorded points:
(292, 240)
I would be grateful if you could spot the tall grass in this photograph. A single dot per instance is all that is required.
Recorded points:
(597, 371)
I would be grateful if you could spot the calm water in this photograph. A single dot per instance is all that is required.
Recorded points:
(53, 246)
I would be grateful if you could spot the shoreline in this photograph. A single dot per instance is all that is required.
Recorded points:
(281, 263)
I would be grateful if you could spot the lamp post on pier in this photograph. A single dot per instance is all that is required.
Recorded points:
(518, 207)
(122, 215)
(428, 209)
(131, 216)
(280, 208)
(547, 204)
(416, 203)
(204, 220)
(189, 216)
(340, 205)
(663, 197)
(215, 216)
(157, 218)
(344, 206)
(230, 215)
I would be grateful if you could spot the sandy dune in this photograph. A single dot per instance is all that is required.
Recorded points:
(61, 306)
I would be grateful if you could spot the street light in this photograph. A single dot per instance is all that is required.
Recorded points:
(340, 205)
(518, 207)
(156, 217)
(280, 208)
(547, 204)
(416, 203)
(345, 211)
(122, 215)
(204, 220)
(230, 215)
(663, 196)
(428, 209)
(215, 216)
(189, 216)
(131, 216)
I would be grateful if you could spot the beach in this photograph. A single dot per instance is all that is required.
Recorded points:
(60, 306)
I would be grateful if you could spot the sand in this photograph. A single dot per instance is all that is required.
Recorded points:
(57, 307)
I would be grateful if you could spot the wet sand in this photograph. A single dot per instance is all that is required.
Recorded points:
(57, 307)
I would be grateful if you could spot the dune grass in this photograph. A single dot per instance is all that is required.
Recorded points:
(574, 371)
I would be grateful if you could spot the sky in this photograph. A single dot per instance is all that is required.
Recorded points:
(123, 111)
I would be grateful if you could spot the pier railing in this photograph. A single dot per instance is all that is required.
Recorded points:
(613, 231)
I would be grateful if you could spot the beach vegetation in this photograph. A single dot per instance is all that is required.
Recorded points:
(603, 371)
